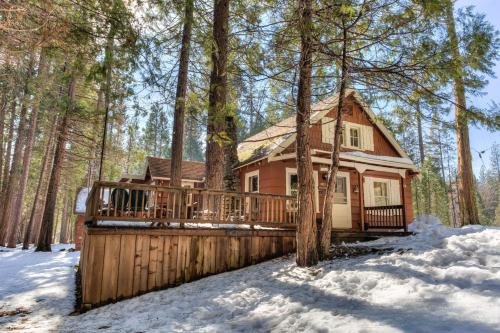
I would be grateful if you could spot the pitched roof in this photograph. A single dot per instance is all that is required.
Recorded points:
(276, 138)
(160, 168)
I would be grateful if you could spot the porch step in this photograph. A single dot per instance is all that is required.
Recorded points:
(364, 236)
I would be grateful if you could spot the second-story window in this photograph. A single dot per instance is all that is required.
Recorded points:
(354, 135)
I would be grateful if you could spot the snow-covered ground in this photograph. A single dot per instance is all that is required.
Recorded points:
(448, 281)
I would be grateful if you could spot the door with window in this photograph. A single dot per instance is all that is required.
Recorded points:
(342, 202)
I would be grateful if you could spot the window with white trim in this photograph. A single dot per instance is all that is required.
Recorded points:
(292, 185)
(253, 183)
(380, 193)
(355, 137)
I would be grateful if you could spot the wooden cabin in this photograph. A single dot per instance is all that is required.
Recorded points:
(142, 234)
(373, 183)
(374, 180)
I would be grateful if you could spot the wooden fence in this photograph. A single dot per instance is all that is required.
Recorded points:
(385, 217)
(119, 263)
(111, 201)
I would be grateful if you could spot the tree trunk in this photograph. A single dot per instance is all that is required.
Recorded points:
(180, 98)
(215, 157)
(108, 65)
(28, 151)
(4, 174)
(326, 225)
(307, 252)
(45, 237)
(3, 109)
(41, 190)
(231, 179)
(466, 184)
(11, 192)
(418, 116)
(63, 235)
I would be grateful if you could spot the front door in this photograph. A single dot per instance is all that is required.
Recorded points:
(342, 202)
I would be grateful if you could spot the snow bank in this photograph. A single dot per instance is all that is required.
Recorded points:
(446, 280)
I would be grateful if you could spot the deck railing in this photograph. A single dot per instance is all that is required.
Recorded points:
(160, 205)
(385, 217)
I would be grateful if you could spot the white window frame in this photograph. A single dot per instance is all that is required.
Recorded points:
(293, 171)
(359, 130)
(249, 175)
(387, 189)
(391, 186)
(327, 131)
(347, 130)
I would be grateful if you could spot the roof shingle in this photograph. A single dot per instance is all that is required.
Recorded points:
(160, 168)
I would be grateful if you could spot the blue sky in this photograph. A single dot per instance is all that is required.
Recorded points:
(481, 139)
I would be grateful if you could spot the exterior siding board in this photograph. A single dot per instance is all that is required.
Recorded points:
(272, 174)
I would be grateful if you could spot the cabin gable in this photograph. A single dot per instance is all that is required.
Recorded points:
(371, 140)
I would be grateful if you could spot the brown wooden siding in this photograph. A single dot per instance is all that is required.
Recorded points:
(272, 179)
(382, 146)
(121, 263)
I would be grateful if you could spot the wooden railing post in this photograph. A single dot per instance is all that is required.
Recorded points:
(183, 208)
(111, 201)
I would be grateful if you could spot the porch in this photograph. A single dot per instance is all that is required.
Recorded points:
(120, 204)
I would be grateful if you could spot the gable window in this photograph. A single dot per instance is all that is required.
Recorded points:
(381, 194)
(354, 135)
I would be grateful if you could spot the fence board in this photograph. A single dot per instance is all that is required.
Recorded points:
(118, 264)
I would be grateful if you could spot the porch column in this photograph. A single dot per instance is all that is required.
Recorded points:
(405, 224)
(361, 200)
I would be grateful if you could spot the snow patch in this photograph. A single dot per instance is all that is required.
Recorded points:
(448, 280)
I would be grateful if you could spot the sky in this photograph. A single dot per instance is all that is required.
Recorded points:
(480, 138)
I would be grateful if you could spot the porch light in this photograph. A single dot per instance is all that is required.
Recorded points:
(355, 188)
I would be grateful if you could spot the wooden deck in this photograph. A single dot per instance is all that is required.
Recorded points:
(141, 238)
(161, 205)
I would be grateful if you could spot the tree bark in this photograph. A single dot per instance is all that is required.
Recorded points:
(180, 98)
(307, 254)
(418, 116)
(47, 226)
(466, 184)
(28, 151)
(215, 154)
(63, 235)
(3, 108)
(231, 179)
(41, 190)
(108, 65)
(11, 193)
(326, 225)
(4, 174)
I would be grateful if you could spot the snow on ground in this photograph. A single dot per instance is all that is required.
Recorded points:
(40, 286)
(448, 281)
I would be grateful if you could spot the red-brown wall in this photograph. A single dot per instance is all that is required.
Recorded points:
(382, 146)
